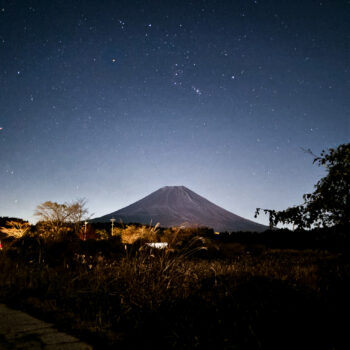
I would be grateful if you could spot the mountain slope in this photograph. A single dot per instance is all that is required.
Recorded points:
(176, 206)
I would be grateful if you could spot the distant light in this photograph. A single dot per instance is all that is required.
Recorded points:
(158, 245)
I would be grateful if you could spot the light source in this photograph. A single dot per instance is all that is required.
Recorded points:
(85, 225)
(112, 221)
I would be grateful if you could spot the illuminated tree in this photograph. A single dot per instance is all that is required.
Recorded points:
(56, 218)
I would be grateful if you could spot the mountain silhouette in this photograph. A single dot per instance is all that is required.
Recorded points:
(179, 206)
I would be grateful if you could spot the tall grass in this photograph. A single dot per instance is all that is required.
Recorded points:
(175, 298)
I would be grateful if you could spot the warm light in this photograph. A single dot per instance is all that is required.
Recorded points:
(158, 245)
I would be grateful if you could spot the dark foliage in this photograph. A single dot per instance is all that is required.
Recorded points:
(329, 238)
(243, 291)
(61, 252)
(329, 204)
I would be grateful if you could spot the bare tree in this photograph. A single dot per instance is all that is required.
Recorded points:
(57, 217)
(78, 212)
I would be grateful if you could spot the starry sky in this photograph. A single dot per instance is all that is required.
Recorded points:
(111, 100)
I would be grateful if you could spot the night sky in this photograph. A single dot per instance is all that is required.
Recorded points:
(111, 100)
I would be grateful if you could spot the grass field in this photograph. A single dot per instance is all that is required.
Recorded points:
(219, 296)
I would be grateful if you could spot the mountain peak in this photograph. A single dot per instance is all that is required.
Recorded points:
(173, 187)
(176, 205)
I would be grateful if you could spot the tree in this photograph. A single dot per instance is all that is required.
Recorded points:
(78, 212)
(56, 218)
(329, 204)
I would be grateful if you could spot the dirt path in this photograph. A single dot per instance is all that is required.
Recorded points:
(18, 330)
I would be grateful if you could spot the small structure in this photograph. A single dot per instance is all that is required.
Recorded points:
(158, 245)
(85, 227)
(112, 221)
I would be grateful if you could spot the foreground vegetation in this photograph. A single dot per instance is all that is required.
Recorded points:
(205, 291)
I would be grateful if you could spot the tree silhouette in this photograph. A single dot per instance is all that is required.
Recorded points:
(329, 204)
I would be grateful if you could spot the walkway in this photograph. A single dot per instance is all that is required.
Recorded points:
(18, 330)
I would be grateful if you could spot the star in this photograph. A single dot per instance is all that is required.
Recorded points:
(197, 91)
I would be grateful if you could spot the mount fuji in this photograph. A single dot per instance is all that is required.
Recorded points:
(179, 206)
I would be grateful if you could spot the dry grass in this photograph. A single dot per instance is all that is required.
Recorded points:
(187, 301)
(15, 229)
(131, 233)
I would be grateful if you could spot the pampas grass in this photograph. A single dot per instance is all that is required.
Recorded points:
(173, 298)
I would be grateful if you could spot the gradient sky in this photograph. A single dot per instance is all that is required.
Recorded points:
(110, 100)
